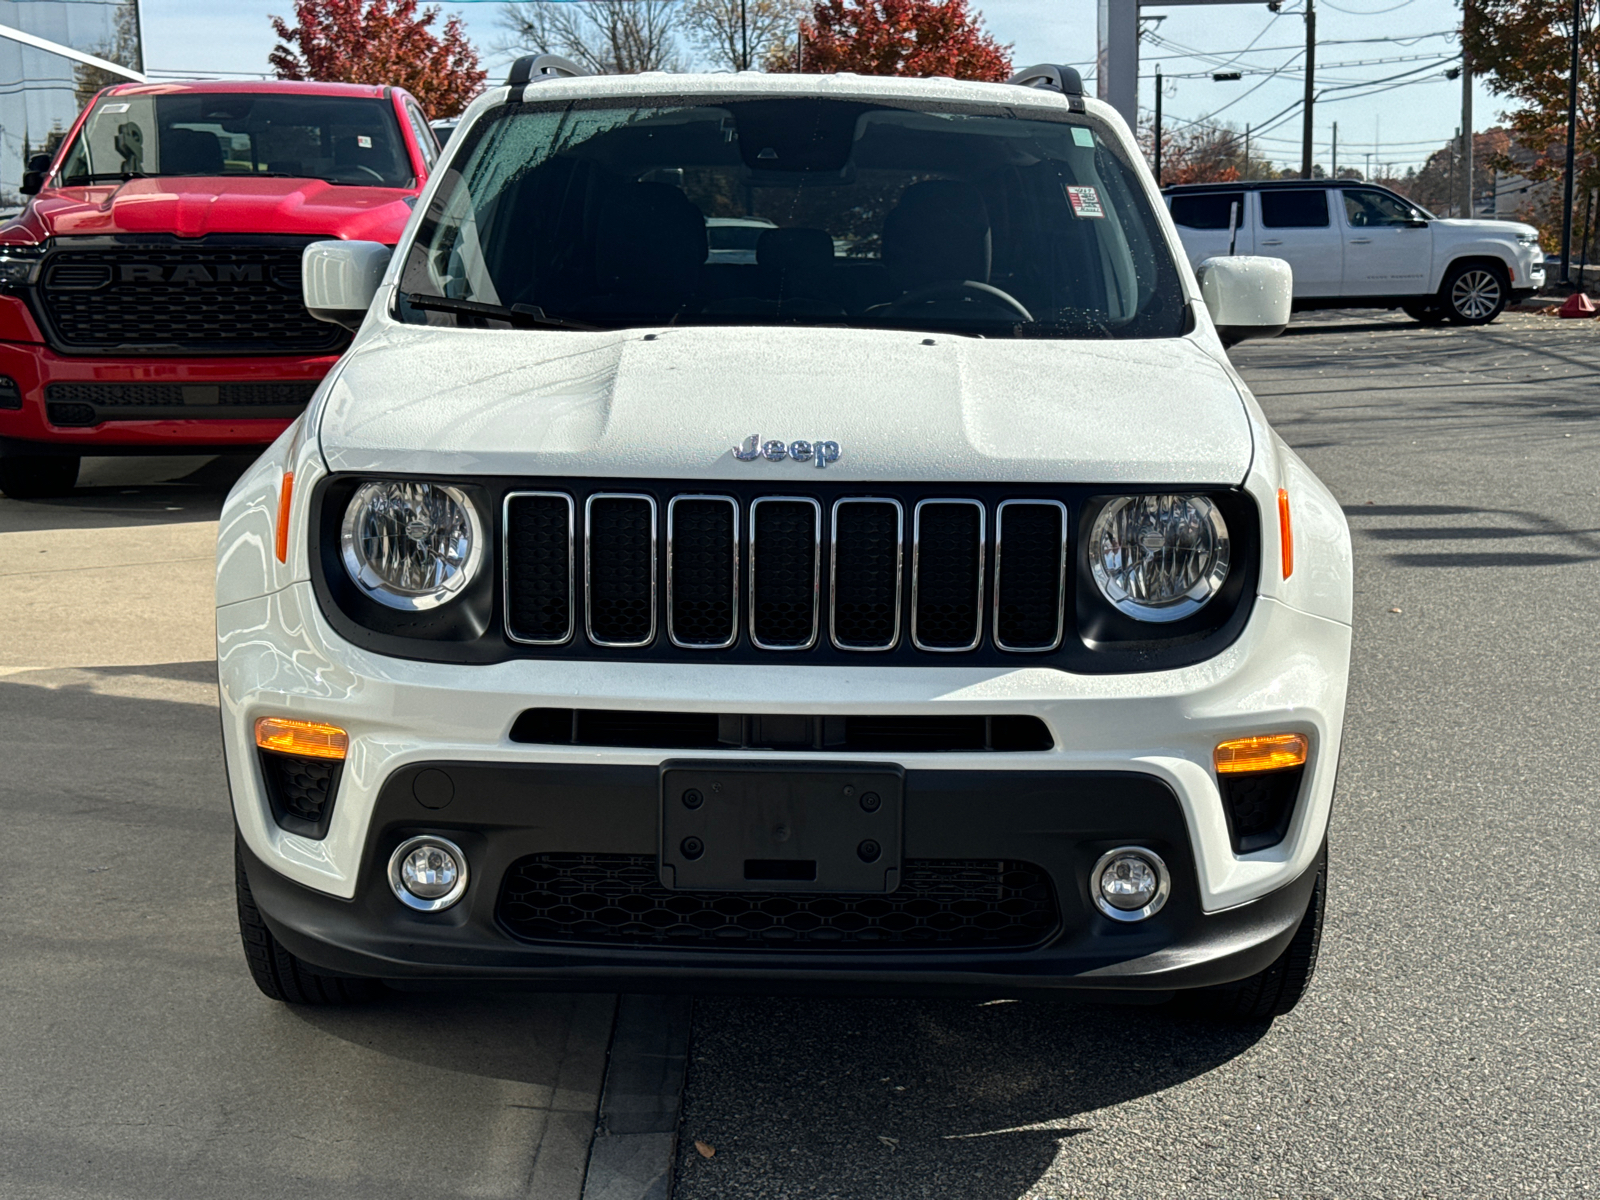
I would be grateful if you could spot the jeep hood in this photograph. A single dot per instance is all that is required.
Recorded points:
(671, 403)
(198, 206)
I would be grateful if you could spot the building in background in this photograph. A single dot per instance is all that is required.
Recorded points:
(43, 89)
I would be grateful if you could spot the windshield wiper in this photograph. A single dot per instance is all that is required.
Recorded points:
(515, 314)
(102, 176)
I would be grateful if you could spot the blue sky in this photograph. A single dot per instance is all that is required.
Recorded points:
(1401, 126)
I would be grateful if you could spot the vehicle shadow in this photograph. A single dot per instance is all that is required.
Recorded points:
(902, 1094)
(132, 491)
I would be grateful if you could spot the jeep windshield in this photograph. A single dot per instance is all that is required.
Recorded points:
(339, 139)
(941, 217)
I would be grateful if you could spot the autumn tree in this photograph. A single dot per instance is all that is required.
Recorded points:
(902, 37)
(608, 37)
(1523, 47)
(735, 35)
(380, 41)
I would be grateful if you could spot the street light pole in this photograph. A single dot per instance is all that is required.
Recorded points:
(1158, 126)
(1311, 70)
(1572, 135)
(1466, 110)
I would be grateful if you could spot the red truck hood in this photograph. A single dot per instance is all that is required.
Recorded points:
(198, 206)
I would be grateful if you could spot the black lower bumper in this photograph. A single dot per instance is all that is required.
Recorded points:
(1059, 822)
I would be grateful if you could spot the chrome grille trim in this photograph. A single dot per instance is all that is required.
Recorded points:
(733, 634)
(916, 566)
(833, 571)
(1061, 577)
(816, 571)
(505, 574)
(588, 568)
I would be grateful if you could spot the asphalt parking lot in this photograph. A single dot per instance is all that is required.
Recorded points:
(1447, 1047)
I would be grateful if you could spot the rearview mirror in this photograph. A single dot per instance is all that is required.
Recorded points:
(339, 279)
(1247, 296)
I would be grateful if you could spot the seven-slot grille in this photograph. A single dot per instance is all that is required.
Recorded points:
(781, 573)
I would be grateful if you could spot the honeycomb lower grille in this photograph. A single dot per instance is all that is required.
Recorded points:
(617, 899)
(181, 395)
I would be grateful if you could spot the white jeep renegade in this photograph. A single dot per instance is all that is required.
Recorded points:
(924, 604)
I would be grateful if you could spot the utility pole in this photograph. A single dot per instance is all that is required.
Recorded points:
(1450, 185)
(1334, 174)
(1466, 109)
(1572, 134)
(1311, 70)
(744, 38)
(1247, 150)
(1158, 124)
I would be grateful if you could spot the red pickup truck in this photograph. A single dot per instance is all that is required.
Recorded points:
(150, 291)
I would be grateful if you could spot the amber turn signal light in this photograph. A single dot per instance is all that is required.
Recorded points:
(1285, 533)
(285, 498)
(309, 739)
(1274, 752)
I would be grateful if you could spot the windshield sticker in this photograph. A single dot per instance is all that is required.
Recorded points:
(363, 141)
(1084, 199)
(1082, 136)
(113, 108)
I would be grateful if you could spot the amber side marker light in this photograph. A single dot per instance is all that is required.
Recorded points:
(286, 496)
(1285, 533)
(309, 739)
(1274, 752)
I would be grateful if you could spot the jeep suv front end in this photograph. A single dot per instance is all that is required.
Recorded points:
(925, 605)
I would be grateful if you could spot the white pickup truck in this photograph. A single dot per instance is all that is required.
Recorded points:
(1356, 245)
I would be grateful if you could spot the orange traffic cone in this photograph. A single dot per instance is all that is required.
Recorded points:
(1578, 305)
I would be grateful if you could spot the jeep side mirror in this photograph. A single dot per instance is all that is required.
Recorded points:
(1247, 296)
(32, 183)
(1416, 223)
(338, 279)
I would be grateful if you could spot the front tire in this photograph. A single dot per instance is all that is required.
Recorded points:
(1474, 293)
(280, 975)
(1276, 990)
(38, 476)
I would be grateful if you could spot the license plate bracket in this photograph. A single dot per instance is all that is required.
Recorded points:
(781, 827)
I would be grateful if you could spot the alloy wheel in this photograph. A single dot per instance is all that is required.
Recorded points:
(1476, 294)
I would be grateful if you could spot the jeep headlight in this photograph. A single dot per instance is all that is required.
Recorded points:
(411, 545)
(1159, 558)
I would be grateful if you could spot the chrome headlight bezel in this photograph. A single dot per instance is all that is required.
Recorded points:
(1205, 584)
(371, 580)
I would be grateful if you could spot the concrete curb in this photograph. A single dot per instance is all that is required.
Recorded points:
(635, 1143)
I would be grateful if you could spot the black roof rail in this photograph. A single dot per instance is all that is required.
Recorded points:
(542, 66)
(1065, 80)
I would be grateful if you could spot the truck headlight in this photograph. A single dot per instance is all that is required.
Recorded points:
(411, 545)
(17, 265)
(1161, 557)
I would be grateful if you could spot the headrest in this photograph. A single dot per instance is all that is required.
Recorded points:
(938, 232)
(651, 238)
(190, 152)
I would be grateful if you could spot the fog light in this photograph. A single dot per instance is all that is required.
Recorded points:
(428, 873)
(1130, 883)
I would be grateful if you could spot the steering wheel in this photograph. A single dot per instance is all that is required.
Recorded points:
(966, 291)
(349, 167)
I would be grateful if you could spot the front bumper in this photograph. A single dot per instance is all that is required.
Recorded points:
(1152, 733)
(199, 424)
(1061, 821)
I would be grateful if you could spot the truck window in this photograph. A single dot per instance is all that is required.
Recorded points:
(1296, 208)
(1206, 210)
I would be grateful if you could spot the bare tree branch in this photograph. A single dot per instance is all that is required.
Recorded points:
(609, 37)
